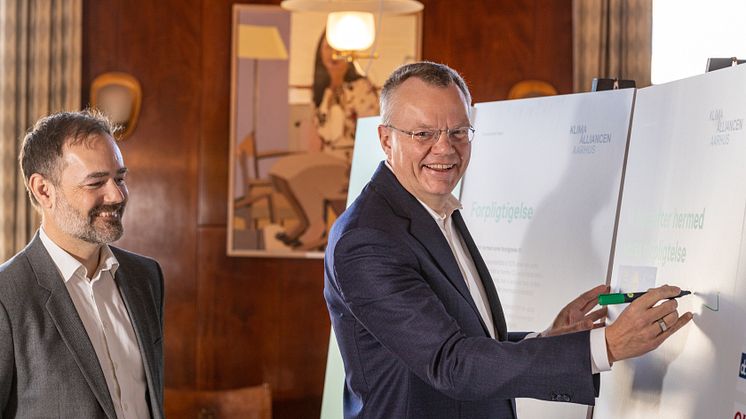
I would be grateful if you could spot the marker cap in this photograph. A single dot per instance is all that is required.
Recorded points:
(605, 299)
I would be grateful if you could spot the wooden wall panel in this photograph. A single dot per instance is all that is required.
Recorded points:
(240, 316)
(495, 44)
(263, 320)
(158, 43)
(215, 90)
(240, 321)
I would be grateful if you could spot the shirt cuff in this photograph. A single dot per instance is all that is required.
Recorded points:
(531, 335)
(599, 355)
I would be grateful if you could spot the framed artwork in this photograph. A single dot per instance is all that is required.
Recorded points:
(294, 110)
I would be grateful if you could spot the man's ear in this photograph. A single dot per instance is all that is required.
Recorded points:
(384, 136)
(43, 190)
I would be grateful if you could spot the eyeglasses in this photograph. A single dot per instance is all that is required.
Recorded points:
(456, 136)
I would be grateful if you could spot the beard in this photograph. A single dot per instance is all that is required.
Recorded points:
(90, 227)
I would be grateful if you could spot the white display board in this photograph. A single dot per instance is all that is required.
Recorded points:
(682, 223)
(365, 159)
(540, 199)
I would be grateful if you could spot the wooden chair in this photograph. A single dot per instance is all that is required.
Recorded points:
(257, 189)
(244, 403)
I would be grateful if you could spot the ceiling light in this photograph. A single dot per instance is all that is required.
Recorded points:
(350, 31)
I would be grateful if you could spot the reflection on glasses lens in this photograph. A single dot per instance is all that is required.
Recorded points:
(456, 135)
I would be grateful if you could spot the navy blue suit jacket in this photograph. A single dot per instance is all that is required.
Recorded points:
(411, 338)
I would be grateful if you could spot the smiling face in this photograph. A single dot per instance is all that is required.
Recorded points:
(427, 171)
(90, 198)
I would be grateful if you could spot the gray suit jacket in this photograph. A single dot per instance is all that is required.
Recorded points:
(48, 367)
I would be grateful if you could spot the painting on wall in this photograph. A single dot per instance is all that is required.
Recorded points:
(294, 109)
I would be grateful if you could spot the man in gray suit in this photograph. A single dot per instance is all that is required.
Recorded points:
(81, 322)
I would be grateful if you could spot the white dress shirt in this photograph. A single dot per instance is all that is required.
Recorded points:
(599, 356)
(464, 260)
(107, 322)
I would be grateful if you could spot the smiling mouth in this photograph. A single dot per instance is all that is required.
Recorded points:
(109, 215)
(440, 167)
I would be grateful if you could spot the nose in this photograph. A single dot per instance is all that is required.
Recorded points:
(115, 192)
(442, 143)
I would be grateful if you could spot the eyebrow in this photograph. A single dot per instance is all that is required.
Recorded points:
(462, 124)
(99, 175)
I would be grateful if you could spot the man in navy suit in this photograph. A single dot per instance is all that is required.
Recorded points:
(416, 315)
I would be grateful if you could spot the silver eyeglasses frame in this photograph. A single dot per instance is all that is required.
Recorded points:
(431, 136)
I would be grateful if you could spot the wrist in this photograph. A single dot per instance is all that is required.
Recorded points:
(609, 355)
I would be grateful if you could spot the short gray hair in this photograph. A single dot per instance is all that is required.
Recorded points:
(434, 74)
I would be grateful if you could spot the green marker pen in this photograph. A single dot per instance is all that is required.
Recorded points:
(622, 298)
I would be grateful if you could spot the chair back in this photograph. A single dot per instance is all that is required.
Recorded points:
(245, 403)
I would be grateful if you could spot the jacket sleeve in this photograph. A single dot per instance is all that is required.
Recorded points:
(160, 361)
(161, 295)
(7, 360)
(380, 281)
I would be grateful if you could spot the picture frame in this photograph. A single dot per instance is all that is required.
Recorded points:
(292, 131)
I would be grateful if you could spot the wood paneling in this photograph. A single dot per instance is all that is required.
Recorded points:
(233, 322)
(215, 90)
(156, 43)
(263, 320)
(495, 44)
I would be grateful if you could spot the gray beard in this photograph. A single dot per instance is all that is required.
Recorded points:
(84, 227)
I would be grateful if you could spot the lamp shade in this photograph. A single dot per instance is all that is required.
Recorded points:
(391, 7)
(260, 42)
(350, 31)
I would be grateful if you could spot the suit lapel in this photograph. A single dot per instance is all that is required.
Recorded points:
(424, 229)
(65, 317)
(498, 317)
(133, 298)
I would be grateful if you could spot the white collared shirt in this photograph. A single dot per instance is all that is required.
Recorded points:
(107, 322)
(464, 260)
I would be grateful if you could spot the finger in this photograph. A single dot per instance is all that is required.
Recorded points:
(662, 310)
(670, 319)
(656, 294)
(662, 325)
(589, 299)
(590, 304)
(680, 322)
(597, 314)
(668, 322)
